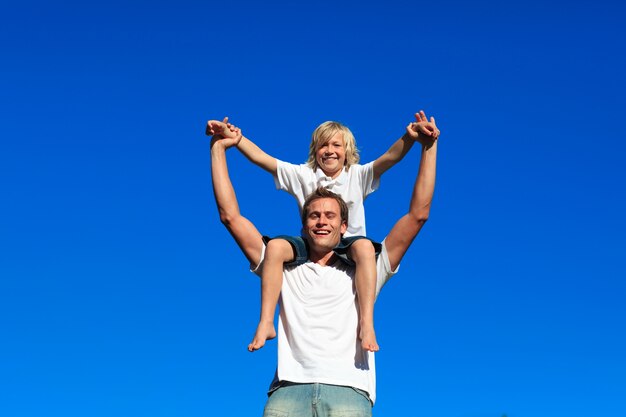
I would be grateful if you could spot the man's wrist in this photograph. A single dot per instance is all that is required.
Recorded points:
(217, 144)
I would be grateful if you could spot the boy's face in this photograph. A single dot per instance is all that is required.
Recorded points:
(331, 156)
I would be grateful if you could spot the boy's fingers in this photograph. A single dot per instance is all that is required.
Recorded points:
(225, 120)
(425, 130)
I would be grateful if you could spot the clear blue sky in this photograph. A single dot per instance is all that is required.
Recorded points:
(121, 294)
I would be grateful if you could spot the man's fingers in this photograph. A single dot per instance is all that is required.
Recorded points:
(225, 121)
(436, 131)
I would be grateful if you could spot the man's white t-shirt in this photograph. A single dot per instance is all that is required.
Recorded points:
(317, 326)
(353, 185)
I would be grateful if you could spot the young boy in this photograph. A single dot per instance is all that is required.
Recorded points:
(333, 164)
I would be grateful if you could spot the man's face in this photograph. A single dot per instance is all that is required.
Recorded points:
(331, 156)
(324, 227)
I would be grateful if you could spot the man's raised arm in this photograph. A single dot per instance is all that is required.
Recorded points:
(243, 231)
(404, 231)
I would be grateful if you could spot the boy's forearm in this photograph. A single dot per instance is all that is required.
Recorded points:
(257, 156)
(394, 154)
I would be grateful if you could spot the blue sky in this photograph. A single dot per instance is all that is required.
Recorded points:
(122, 294)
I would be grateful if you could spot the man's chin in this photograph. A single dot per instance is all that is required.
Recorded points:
(323, 242)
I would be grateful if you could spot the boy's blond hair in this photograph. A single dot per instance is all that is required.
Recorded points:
(323, 134)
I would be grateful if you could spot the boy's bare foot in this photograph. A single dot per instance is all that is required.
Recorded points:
(368, 338)
(265, 331)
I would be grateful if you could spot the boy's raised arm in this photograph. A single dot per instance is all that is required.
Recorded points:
(248, 148)
(417, 131)
(257, 156)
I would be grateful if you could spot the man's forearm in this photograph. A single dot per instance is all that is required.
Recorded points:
(222, 186)
(425, 185)
(241, 229)
(408, 226)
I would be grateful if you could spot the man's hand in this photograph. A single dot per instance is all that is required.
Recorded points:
(222, 129)
(227, 142)
(422, 130)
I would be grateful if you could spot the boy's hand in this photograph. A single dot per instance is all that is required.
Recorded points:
(422, 130)
(222, 129)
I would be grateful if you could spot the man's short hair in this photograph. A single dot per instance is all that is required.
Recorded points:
(320, 193)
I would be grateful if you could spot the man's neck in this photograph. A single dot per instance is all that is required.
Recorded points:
(323, 259)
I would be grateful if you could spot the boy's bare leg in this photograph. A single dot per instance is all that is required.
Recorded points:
(363, 254)
(278, 252)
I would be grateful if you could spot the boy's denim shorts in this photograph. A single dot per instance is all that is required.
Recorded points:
(301, 248)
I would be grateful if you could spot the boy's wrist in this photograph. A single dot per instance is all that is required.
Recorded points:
(412, 137)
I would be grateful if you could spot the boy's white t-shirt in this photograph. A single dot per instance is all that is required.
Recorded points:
(353, 185)
(317, 326)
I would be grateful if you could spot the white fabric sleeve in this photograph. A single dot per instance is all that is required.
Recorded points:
(288, 178)
(368, 183)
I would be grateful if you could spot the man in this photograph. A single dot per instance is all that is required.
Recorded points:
(322, 369)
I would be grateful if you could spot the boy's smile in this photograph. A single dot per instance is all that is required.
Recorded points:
(331, 156)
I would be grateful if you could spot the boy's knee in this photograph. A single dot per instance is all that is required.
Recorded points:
(280, 250)
(362, 248)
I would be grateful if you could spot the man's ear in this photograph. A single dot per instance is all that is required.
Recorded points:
(344, 227)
